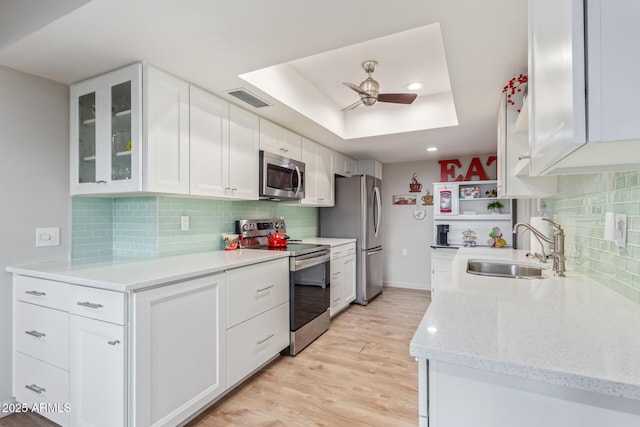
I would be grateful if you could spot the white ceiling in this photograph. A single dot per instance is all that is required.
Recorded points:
(211, 43)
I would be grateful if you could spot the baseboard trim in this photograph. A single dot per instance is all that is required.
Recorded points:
(4, 405)
(417, 286)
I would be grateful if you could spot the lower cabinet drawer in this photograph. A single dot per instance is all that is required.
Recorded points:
(100, 304)
(252, 343)
(42, 387)
(42, 333)
(255, 289)
(42, 292)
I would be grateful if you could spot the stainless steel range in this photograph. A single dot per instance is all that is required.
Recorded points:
(309, 283)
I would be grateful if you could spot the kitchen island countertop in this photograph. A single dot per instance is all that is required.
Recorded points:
(569, 331)
(125, 275)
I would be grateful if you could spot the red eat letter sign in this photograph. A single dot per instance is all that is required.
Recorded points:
(475, 169)
(447, 168)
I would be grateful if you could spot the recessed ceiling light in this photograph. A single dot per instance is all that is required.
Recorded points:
(414, 86)
(432, 149)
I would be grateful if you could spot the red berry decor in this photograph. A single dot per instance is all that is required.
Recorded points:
(514, 86)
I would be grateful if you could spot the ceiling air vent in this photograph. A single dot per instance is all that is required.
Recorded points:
(243, 95)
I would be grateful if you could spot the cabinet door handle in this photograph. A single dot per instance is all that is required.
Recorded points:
(227, 188)
(90, 304)
(35, 293)
(114, 342)
(336, 300)
(35, 334)
(34, 388)
(266, 339)
(102, 181)
(265, 289)
(234, 189)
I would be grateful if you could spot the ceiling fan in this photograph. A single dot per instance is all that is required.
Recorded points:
(369, 90)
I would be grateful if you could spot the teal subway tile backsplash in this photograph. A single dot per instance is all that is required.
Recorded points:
(150, 226)
(580, 207)
(92, 227)
(135, 227)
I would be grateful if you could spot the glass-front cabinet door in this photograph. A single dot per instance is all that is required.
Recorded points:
(106, 133)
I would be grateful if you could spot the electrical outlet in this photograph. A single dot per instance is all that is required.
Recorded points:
(47, 236)
(405, 252)
(184, 223)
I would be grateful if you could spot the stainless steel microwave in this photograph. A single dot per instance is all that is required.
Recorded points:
(280, 177)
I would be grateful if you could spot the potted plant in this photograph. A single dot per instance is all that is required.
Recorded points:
(495, 206)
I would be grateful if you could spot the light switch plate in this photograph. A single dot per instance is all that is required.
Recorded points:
(184, 223)
(47, 236)
(620, 234)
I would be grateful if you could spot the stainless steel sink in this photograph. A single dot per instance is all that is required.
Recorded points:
(504, 269)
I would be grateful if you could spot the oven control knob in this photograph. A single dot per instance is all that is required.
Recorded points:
(245, 227)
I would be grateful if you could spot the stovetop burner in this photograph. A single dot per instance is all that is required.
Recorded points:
(255, 233)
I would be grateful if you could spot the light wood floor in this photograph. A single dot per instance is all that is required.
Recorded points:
(358, 373)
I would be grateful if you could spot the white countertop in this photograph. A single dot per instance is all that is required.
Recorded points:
(331, 241)
(566, 331)
(130, 275)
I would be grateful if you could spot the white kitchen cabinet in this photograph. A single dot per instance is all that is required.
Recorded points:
(209, 144)
(258, 316)
(441, 259)
(130, 133)
(318, 175)
(223, 147)
(66, 353)
(276, 139)
(344, 165)
(513, 157)
(97, 372)
(343, 277)
(583, 118)
(449, 202)
(493, 399)
(244, 142)
(370, 167)
(106, 133)
(179, 339)
(166, 132)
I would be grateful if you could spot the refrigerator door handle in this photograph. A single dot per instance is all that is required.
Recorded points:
(377, 251)
(376, 195)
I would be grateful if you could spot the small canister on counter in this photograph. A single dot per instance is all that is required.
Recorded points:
(231, 241)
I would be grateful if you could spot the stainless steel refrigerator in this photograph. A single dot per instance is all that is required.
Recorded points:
(358, 214)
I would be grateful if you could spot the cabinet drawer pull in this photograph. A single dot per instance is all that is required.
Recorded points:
(266, 339)
(113, 342)
(265, 289)
(34, 388)
(101, 182)
(90, 304)
(336, 300)
(35, 293)
(35, 334)
(234, 189)
(227, 188)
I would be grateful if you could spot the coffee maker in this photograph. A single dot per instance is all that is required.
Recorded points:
(442, 236)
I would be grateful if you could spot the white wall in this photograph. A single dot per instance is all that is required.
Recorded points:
(403, 231)
(34, 184)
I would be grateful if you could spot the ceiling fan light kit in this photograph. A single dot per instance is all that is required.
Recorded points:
(369, 90)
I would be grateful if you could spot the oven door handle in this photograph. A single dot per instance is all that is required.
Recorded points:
(300, 263)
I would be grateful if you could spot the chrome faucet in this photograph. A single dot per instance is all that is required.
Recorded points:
(557, 240)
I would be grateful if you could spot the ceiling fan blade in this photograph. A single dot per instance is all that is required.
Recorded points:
(352, 106)
(356, 88)
(397, 98)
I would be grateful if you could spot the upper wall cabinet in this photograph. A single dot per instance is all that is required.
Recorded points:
(318, 176)
(583, 118)
(344, 165)
(120, 143)
(281, 141)
(106, 133)
(370, 167)
(513, 157)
